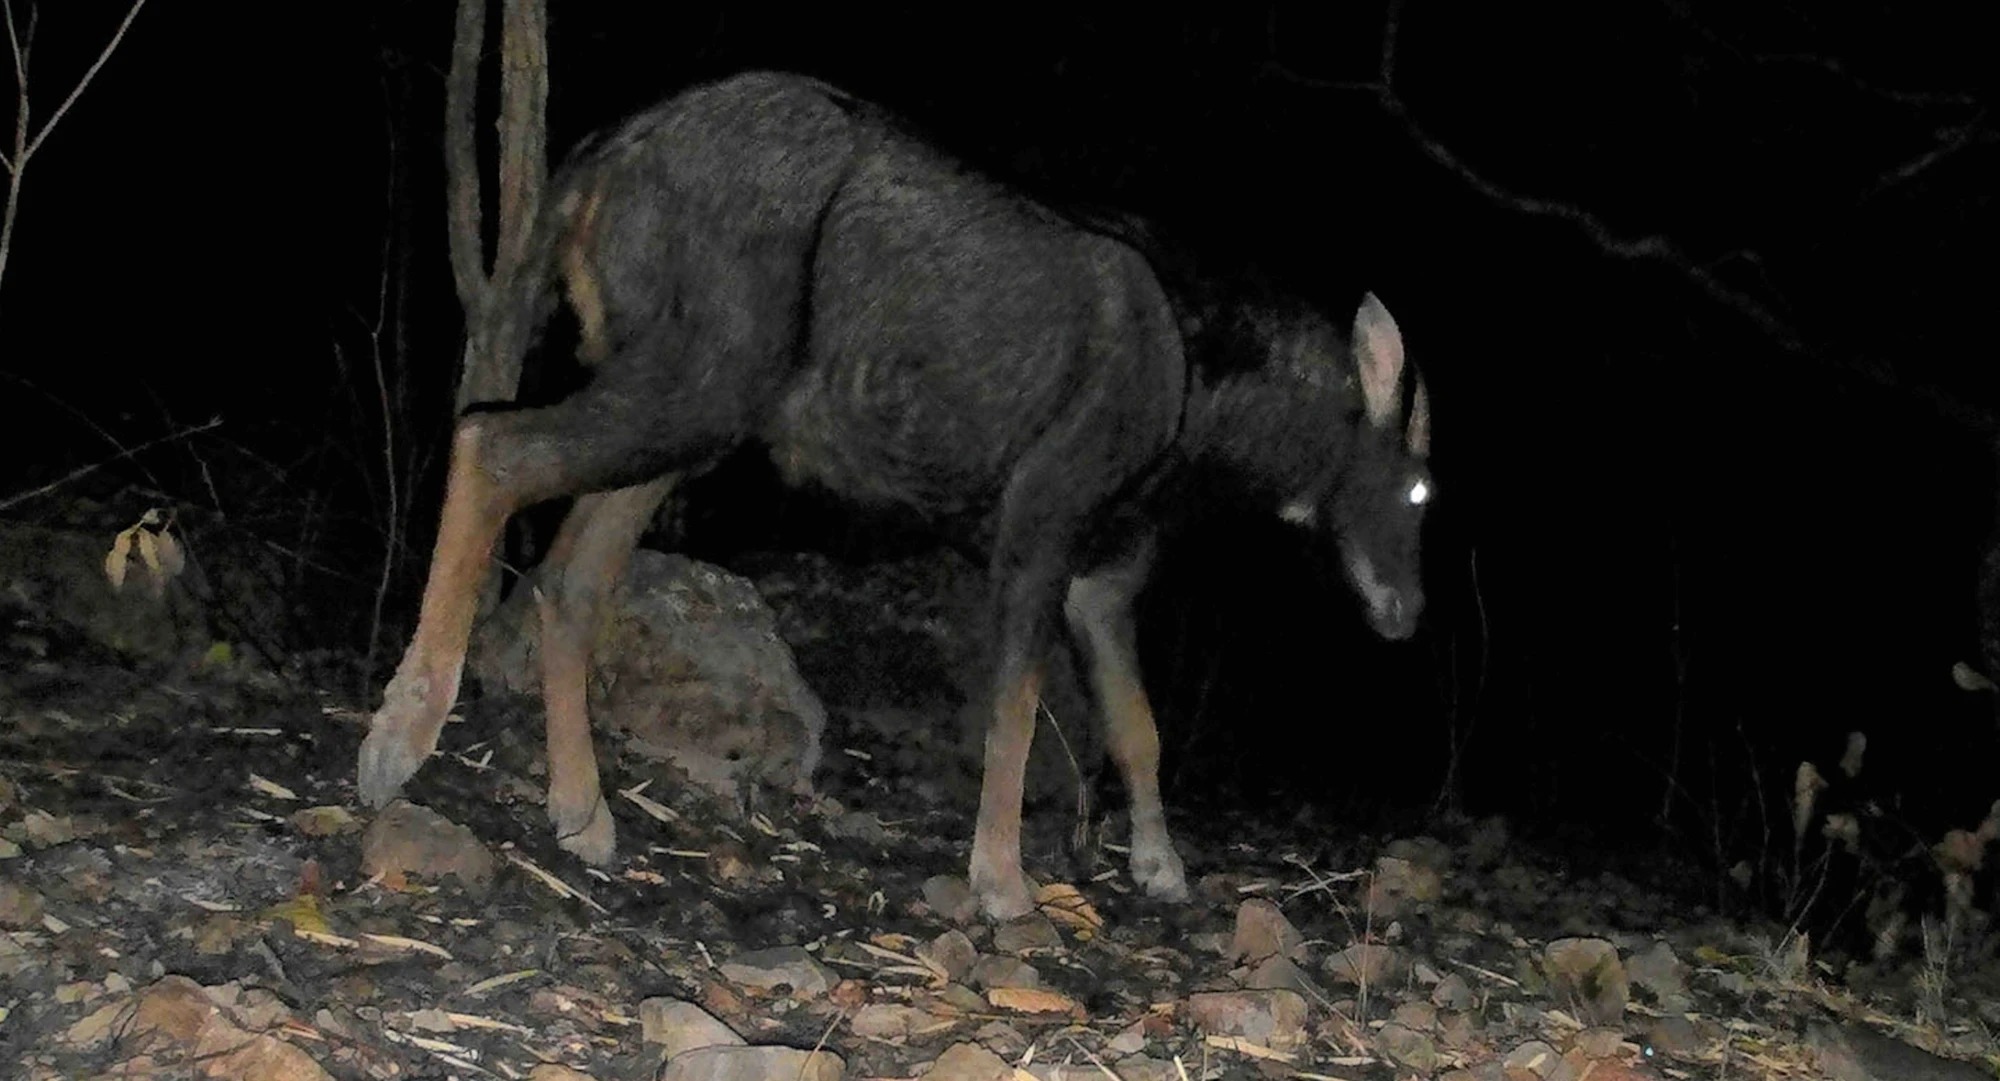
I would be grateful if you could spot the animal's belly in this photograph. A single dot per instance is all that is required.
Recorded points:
(916, 446)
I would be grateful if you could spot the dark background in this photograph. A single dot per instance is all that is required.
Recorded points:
(1707, 503)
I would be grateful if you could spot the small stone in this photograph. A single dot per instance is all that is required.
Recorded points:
(409, 839)
(1674, 1036)
(1281, 972)
(753, 1064)
(1454, 993)
(951, 898)
(994, 971)
(1032, 932)
(1399, 884)
(1599, 1043)
(1364, 964)
(1001, 1038)
(1585, 974)
(1275, 1019)
(1417, 1015)
(890, 1021)
(1144, 1068)
(556, 1071)
(679, 1026)
(21, 908)
(969, 1062)
(1130, 1040)
(1459, 1031)
(780, 967)
(1537, 1059)
(1262, 931)
(1659, 973)
(1408, 1047)
(953, 952)
(962, 998)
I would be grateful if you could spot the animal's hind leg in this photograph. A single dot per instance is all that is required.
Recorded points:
(600, 438)
(1027, 582)
(1099, 610)
(405, 729)
(997, 879)
(589, 556)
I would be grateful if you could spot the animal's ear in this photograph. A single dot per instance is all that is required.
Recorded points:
(1378, 358)
(1418, 431)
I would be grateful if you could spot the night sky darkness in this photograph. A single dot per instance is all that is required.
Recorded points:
(1619, 448)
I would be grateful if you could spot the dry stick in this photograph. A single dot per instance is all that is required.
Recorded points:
(25, 146)
(395, 522)
(1447, 796)
(90, 422)
(84, 471)
(1080, 833)
(819, 1045)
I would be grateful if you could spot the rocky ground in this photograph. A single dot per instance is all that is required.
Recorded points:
(189, 889)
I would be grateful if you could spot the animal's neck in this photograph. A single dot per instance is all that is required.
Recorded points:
(1272, 436)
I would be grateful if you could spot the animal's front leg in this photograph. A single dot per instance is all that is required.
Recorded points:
(1099, 609)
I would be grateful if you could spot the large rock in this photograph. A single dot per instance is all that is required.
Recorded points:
(687, 666)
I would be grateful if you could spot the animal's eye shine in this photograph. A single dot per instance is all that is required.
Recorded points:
(1420, 493)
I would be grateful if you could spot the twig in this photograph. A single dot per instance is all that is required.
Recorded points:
(19, 45)
(84, 471)
(20, 55)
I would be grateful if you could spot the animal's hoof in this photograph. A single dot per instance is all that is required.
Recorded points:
(386, 762)
(596, 843)
(1160, 874)
(1003, 897)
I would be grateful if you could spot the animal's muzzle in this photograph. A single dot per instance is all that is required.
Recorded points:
(1391, 611)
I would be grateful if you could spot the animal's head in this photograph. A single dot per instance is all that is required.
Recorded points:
(1374, 503)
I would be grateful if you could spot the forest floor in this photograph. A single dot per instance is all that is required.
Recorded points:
(182, 894)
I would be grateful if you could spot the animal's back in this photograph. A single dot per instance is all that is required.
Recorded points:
(889, 322)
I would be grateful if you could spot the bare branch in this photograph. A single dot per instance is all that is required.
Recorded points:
(18, 44)
(1658, 249)
(83, 471)
(110, 47)
(1953, 140)
(25, 145)
(1919, 99)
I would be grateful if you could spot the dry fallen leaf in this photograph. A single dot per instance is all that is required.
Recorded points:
(554, 884)
(1033, 1000)
(494, 983)
(659, 811)
(324, 821)
(302, 912)
(1245, 1047)
(1065, 904)
(114, 560)
(44, 830)
(338, 942)
(156, 548)
(398, 942)
(271, 788)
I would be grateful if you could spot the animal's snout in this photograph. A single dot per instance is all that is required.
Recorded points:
(1395, 617)
(1392, 610)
